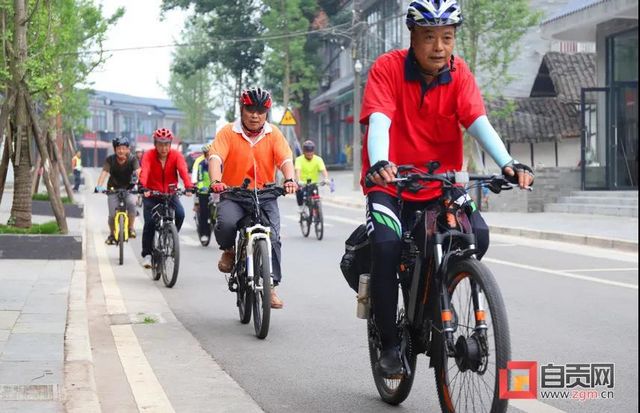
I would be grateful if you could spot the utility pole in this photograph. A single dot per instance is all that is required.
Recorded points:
(357, 68)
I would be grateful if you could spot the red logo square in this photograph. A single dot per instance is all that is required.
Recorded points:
(519, 381)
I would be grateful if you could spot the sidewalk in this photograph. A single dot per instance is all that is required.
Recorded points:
(594, 230)
(34, 308)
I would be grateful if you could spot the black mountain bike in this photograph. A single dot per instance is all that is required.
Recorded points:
(251, 275)
(451, 307)
(165, 254)
(120, 220)
(312, 210)
(212, 217)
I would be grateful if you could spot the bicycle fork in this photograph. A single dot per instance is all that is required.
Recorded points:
(253, 237)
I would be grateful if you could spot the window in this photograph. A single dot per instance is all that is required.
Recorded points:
(99, 120)
(624, 48)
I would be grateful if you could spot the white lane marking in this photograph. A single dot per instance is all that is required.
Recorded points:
(602, 269)
(146, 389)
(345, 220)
(534, 406)
(563, 274)
(189, 241)
(112, 297)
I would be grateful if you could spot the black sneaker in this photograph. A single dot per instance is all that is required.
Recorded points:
(389, 365)
(132, 233)
(110, 240)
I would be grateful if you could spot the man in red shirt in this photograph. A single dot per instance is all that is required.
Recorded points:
(414, 103)
(161, 167)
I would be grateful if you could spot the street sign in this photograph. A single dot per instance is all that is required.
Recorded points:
(288, 119)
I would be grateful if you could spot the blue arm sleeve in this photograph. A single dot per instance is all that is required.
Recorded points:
(488, 138)
(378, 138)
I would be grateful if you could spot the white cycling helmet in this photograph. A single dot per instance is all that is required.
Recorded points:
(434, 13)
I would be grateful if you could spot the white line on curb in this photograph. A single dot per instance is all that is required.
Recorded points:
(533, 406)
(563, 274)
(602, 269)
(149, 394)
(147, 391)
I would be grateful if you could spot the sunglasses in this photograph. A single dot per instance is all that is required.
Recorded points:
(253, 109)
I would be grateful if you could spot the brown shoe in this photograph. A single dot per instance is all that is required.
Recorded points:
(276, 302)
(226, 261)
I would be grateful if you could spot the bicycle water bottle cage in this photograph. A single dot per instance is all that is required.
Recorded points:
(432, 166)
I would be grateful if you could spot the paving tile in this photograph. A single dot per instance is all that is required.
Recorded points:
(51, 303)
(40, 323)
(33, 346)
(31, 407)
(32, 372)
(8, 319)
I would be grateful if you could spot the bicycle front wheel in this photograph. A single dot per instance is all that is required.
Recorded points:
(121, 239)
(469, 382)
(261, 289)
(156, 257)
(318, 221)
(305, 221)
(171, 255)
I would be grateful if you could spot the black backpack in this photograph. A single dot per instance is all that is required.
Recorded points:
(357, 257)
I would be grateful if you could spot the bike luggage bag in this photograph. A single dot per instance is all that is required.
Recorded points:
(357, 257)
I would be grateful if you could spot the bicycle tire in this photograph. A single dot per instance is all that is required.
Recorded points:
(244, 300)
(392, 391)
(121, 240)
(171, 252)
(498, 329)
(318, 221)
(305, 222)
(156, 264)
(261, 297)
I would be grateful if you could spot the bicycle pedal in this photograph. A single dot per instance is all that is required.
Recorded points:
(233, 286)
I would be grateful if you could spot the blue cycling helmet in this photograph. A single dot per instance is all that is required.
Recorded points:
(120, 142)
(429, 13)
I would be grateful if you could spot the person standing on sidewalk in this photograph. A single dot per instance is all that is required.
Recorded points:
(308, 167)
(76, 166)
(162, 166)
(414, 103)
(249, 148)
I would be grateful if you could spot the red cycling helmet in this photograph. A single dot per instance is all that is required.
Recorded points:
(256, 97)
(162, 135)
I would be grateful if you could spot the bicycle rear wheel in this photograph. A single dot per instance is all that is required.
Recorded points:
(261, 289)
(171, 255)
(393, 391)
(121, 239)
(470, 381)
(318, 221)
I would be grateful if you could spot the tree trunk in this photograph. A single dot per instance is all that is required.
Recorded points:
(7, 107)
(21, 208)
(304, 118)
(35, 178)
(54, 196)
(50, 140)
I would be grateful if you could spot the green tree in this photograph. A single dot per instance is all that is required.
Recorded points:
(489, 41)
(190, 89)
(489, 38)
(43, 60)
(227, 19)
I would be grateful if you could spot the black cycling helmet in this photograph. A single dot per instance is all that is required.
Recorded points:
(256, 97)
(120, 142)
(308, 146)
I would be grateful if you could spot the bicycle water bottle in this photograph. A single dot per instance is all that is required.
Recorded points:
(363, 297)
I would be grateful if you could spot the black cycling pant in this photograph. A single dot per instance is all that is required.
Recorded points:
(385, 225)
(204, 227)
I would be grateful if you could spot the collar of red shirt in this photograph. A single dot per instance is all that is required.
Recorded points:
(412, 74)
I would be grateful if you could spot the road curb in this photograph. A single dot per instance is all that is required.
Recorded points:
(589, 240)
(81, 393)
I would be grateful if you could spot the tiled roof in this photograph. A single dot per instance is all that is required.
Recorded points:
(535, 119)
(570, 72)
(573, 7)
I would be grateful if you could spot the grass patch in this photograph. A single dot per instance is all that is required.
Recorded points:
(50, 227)
(149, 320)
(45, 197)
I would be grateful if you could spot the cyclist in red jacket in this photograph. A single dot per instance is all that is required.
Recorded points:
(161, 167)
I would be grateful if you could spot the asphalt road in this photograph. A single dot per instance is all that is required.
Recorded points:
(566, 304)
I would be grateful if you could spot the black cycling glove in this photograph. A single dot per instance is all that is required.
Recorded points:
(377, 168)
(517, 166)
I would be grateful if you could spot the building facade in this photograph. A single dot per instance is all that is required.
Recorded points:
(609, 111)
(116, 114)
